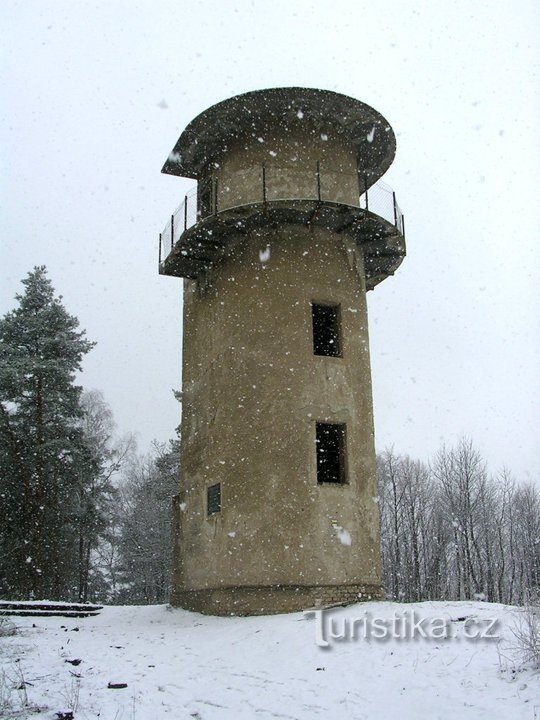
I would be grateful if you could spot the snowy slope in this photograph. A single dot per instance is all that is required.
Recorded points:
(180, 665)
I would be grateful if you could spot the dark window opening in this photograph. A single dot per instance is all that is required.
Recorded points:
(206, 197)
(213, 499)
(330, 441)
(326, 330)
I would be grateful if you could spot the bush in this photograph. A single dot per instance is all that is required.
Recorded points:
(526, 632)
(7, 627)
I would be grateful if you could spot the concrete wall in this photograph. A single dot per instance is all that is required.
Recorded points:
(252, 392)
(290, 169)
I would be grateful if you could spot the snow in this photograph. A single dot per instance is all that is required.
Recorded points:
(343, 535)
(53, 603)
(184, 665)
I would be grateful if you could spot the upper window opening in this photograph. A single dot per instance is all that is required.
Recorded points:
(326, 330)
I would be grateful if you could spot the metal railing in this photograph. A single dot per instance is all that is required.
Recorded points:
(183, 217)
(381, 200)
(378, 199)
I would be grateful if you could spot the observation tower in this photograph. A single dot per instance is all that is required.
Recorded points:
(287, 229)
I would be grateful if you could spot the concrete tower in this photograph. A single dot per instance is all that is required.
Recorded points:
(287, 230)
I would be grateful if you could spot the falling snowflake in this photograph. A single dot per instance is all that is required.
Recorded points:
(342, 535)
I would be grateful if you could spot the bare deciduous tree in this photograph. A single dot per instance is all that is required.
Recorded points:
(449, 531)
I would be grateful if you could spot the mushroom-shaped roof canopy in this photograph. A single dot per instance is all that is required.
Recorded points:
(314, 112)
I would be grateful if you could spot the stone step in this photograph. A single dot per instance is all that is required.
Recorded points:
(48, 609)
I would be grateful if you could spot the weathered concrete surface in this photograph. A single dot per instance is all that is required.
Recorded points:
(280, 172)
(295, 167)
(268, 600)
(252, 393)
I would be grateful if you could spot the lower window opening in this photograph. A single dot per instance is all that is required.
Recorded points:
(330, 443)
(213, 499)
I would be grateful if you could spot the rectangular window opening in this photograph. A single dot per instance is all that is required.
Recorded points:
(206, 197)
(330, 442)
(213, 499)
(326, 330)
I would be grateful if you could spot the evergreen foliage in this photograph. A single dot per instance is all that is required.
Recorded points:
(44, 458)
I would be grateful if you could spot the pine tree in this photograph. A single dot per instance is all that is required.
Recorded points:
(42, 445)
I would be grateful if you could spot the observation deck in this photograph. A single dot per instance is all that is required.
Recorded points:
(193, 241)
(284, 156)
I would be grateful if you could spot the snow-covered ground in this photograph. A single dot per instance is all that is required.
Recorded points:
(180, 665)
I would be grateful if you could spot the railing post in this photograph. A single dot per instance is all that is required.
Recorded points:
(172, 231)
(264, 183)
(215, 195)
(185, 213)
(395, 208)
(403, 224)
(366, 192)
(318, 181)
(160, 248)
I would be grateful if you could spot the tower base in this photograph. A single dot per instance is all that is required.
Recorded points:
(273, 599)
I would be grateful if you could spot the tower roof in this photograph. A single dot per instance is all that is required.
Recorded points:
(317, 112)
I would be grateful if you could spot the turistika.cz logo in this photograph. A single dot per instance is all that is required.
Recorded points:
(406, 625)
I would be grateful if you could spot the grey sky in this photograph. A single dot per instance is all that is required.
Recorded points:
(95, 94)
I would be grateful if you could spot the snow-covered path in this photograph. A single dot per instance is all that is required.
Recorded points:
(183, 665)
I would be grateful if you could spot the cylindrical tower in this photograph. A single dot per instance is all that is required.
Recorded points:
(287, 230)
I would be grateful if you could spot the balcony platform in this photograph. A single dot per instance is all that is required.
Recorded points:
(208, 241)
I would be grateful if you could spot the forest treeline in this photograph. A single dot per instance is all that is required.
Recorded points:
(450, 531)
(83, 516)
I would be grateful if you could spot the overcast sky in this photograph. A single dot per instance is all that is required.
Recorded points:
(95, 95)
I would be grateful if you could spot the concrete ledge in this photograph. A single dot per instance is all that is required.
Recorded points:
(272, 600)
(382, 244)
